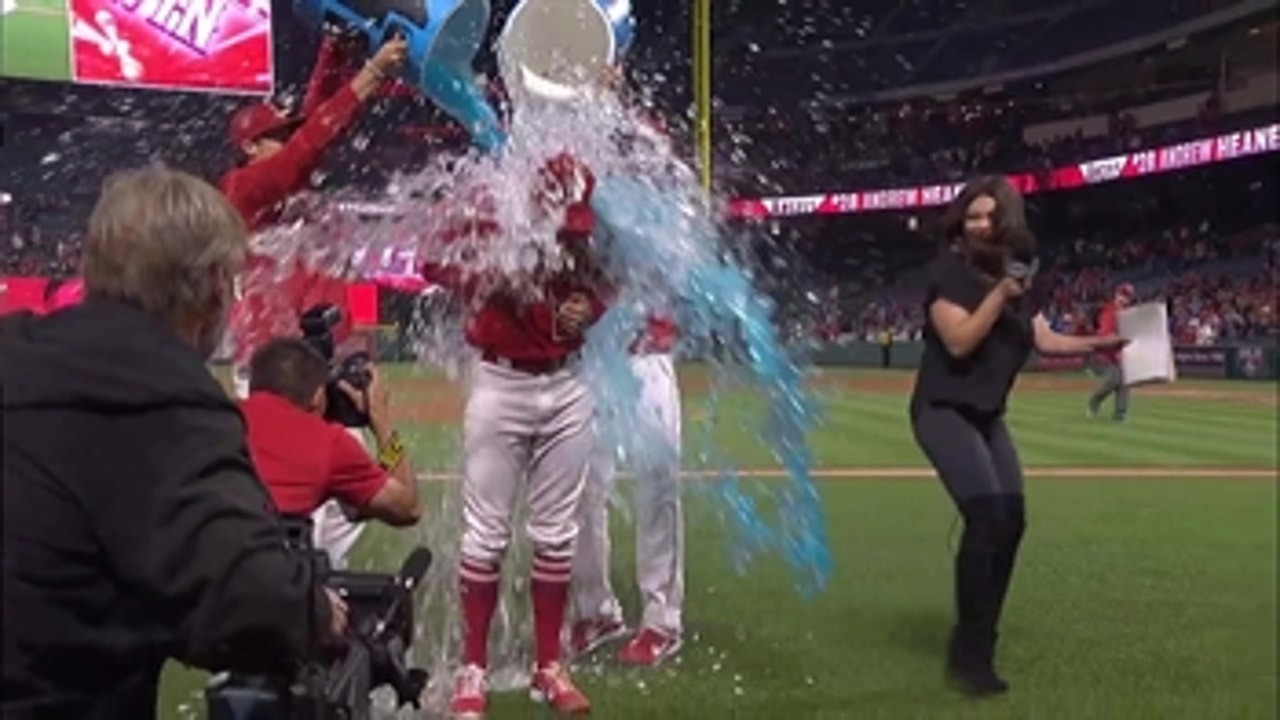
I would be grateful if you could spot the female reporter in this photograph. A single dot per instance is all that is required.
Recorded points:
(983, 319)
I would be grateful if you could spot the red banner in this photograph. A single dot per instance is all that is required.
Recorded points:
(21, 293)
(28, 293)
(1206, 151)
(215, 45)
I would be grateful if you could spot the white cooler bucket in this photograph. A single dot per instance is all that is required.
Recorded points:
(553, 49)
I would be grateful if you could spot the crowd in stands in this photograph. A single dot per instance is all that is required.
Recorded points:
(1218, 288)
(886, 45)
(941, 142)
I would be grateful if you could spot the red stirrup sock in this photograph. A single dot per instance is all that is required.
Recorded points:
(479, 594)
(550, 591)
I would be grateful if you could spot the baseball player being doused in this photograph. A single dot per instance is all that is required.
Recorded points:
(527, 425)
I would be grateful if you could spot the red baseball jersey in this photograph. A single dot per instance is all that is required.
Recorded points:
(516, 328)
(520, 329)
(305, 461)
(259, 190)
(1107, 326)
(274, 298)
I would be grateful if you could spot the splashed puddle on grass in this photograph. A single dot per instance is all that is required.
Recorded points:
(867, 473)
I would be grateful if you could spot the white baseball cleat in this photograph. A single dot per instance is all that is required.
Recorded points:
(8, 6)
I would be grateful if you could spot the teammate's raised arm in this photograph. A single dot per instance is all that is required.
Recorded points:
(281, 151)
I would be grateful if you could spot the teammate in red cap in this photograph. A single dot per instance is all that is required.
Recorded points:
(1112, 376)
(280, 153)
(527, 427)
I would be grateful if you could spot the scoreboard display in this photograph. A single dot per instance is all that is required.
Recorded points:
(221, 46)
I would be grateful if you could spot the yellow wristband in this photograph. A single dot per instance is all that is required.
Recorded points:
(392, 454)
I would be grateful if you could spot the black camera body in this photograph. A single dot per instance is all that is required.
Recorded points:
(338, 686)
(317, 325)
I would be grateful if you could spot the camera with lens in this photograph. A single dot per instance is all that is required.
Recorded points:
(336, 684)
(317, 325)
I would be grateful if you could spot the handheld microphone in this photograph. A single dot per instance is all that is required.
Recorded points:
(1022, 262)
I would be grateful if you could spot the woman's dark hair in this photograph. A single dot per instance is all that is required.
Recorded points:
(1011, 211)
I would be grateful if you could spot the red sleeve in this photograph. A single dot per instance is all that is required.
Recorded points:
(255, 187)
(354, 477)
(1107, 323)
(326, 77)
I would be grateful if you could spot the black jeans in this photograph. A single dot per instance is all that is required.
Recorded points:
(973, 454)
(978, 464)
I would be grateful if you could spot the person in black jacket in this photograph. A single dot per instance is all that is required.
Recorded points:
(135, 528)
(982, 310)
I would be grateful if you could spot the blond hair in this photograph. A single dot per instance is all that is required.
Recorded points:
(163, 241)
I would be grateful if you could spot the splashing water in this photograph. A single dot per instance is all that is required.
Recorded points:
(661, 248)
(656, 235)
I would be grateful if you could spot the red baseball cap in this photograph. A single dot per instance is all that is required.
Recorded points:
(252, 122)
(1125, 290)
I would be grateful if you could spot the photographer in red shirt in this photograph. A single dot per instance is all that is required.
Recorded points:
(305, 460)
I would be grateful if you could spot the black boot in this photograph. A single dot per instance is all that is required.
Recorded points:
(1015, 518)
(971, 655)
(970, 663)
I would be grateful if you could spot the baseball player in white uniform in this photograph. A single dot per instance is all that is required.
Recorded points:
(527, 429)
(659, 521)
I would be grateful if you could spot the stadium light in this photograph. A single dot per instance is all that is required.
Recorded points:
(5, 198)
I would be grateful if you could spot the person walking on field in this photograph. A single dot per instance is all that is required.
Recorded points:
(1112, 375)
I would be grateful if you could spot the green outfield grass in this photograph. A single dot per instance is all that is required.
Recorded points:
(1149, 592)
(35, 41)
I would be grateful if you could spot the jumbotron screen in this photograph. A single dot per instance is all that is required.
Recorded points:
(190, 45)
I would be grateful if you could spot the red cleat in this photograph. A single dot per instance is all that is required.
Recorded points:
(587, 635)
(552, 685)
(649, 647)
(469, 694)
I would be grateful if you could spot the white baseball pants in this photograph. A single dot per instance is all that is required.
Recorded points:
(659, 519)
(523, 429)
